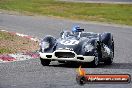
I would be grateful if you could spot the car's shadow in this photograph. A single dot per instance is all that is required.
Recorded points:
(113, 66)
(117, 66)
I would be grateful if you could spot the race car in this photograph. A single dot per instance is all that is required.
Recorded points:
(77, 46)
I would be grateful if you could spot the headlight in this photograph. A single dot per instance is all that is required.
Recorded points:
(44, 45)
(88, 48)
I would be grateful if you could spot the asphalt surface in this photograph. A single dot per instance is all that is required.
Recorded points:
(31, 74)
(101, 1)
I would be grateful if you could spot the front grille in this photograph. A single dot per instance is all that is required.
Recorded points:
(64, 54)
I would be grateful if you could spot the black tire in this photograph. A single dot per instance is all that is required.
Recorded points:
(112, 46)
(109, 61)
(95, 62)
(107, 39)
(45, 62)
(62, 61)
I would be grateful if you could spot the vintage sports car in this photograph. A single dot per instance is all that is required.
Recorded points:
(78, 46)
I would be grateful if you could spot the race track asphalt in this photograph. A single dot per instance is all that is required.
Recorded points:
(31, 74)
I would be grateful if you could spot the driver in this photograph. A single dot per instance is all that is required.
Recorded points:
(75, 31)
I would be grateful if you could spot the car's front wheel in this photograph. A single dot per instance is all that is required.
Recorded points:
(95, 62)
(109, 61)
(62, 61)
(45, 62)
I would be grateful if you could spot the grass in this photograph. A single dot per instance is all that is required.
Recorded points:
(10, 43)
(4, 50)
(7, 37)
(111, 13)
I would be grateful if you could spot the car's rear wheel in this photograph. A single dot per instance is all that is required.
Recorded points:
(45, 62)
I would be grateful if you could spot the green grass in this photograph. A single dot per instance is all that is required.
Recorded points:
(111, 13)
(10, 43)
(4, 36)
(5, 50)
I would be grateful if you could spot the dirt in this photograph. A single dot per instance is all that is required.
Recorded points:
(10, 43)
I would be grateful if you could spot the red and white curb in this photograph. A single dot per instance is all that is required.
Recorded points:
(19, 56)
(22, 35)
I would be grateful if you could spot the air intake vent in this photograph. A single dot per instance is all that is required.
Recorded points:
(64, 54)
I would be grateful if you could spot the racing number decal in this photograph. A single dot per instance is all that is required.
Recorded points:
(69, 42)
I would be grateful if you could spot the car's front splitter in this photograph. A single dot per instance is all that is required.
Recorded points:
(78, 58)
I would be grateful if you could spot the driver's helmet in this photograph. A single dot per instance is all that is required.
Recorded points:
(74, 29)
